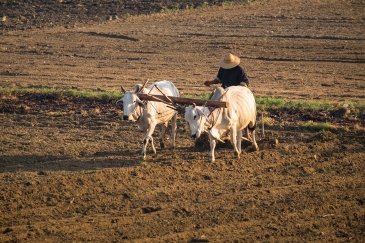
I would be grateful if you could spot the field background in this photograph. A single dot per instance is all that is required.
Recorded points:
(71, 170)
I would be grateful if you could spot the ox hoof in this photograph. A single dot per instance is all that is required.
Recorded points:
(252, 149)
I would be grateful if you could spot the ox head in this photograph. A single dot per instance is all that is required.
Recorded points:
(195, 117)
(130, 102)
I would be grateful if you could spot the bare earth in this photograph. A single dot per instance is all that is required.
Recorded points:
(72, 170)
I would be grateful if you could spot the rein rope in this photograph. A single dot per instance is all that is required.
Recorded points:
(135, 112)
(214, 121)
(219, 111)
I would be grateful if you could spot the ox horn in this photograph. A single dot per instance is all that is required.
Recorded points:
(122, 89)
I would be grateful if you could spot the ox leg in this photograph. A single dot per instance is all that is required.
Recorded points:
(144, 148)
(239, 142)
(173, 130)
(234, 136)
(147, 138)
(213, 143)
(153, 145)
(248, 134)
(162, 135)
(254, 144)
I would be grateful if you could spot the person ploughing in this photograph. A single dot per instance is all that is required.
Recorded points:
(230, 73)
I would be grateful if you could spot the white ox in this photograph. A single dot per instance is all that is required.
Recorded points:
(240, 114)
(148, 114)
(198, 116)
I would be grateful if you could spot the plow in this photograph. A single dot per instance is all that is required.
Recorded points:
(176, 102)
(183, 101)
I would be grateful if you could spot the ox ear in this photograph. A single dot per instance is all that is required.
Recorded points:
(119, 103)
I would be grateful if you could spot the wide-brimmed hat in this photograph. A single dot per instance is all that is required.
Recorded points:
(229, 61)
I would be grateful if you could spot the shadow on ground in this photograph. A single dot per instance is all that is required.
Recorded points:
(100, 160)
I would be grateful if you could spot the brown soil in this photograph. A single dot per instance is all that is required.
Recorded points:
(72, 171)
(309, 50)
(28, 14)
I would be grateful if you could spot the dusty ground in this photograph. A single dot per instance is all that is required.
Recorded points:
(71, 170)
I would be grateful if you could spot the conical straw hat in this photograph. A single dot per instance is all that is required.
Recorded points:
(229, 61)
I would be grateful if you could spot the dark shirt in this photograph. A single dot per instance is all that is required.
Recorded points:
(232, 77)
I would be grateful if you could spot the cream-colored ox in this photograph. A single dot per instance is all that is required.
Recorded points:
(240, 114)
(148, 114)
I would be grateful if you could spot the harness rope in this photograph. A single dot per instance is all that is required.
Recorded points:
(215, 120)
(160, 115)
(211, 111)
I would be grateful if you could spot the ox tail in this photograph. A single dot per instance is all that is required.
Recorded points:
(253, 128)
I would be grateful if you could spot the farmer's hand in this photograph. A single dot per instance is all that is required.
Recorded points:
(244, 84)
(207, 83)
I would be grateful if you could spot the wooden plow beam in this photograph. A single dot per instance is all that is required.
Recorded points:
(183, 101)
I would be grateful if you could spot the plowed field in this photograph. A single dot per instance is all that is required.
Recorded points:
(71, 170)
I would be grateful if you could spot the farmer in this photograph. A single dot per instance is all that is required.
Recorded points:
(230, 73)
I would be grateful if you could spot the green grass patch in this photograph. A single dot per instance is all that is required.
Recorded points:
(317, 126)
(101, 95)
(267, 103)
(201, 96)
(268, 120)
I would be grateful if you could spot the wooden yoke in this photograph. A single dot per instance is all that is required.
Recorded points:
(183, 101)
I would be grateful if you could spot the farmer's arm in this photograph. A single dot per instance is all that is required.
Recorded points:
(217, 80)
(210, 82)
